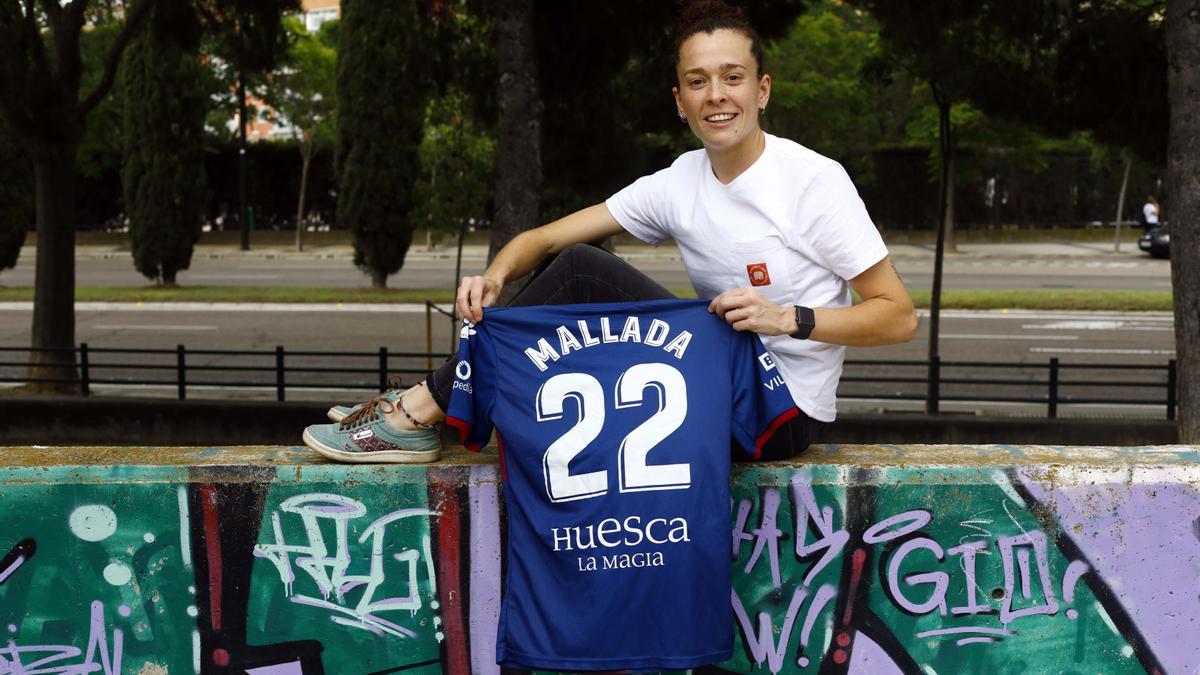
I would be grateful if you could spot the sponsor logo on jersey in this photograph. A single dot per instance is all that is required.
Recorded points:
(759, 276)
(463, 370)
(766, 361)
(468, 329)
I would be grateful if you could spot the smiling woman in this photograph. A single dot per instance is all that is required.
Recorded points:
(773, 234)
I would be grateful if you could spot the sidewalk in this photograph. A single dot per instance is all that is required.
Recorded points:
(1022, 250)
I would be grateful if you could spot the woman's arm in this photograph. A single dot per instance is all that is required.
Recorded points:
(526, 250)
(885, 315)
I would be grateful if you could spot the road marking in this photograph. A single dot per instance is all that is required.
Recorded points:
(234, 307)
(1000, 336)
(1084, 350)
(1058, 315)
(230, 277)
(1097, 325)
(152, 327)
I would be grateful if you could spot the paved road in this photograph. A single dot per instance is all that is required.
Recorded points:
(1025, 337)
(1011, 266)
(1018, 337)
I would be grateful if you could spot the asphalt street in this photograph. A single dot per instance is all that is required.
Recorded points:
(1016, 337)
(1045, 265)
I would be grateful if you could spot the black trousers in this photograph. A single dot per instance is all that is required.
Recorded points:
(583, 273)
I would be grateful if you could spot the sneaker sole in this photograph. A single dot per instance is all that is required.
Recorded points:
(379, 457)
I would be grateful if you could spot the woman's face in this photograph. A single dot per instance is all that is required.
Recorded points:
(720, 89)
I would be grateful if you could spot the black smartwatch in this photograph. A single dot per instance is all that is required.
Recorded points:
(805, 322)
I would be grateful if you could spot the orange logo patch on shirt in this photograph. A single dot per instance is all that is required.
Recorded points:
(758, 274)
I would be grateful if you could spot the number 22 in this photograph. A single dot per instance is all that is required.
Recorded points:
(634, 474)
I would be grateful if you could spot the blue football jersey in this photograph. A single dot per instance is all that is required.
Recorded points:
(613, 423)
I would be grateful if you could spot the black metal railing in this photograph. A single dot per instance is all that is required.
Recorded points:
(936, 381)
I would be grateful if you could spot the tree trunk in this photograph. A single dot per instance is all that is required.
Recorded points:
(946, 138)
(244, 213)
(1121, 203)
(54, 281)
(305, 158)
(1183, 187)
(935, 295)
(378, 278)
(519, 155)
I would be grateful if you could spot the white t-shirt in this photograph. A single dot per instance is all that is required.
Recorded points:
(1151, 213)
(792, 226)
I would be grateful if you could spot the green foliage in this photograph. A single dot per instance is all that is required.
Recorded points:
(1062, 66)
(241, 39)
(818, 95)
(383, 89)
(100, 148)
(16, 205)
(163, 174)
(457, 159)
(302, 89)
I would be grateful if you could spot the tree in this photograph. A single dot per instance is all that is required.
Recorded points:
(247, 38)
(303, 91)
(15, 205)
(818, 95)
(519, 128)
(41, 73)
(1183, 184)
(383, 87)
(457, 160)
(163, 173)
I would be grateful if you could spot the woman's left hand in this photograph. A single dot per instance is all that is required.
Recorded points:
(745, 309)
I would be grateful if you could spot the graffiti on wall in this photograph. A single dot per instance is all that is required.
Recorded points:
(331, 569)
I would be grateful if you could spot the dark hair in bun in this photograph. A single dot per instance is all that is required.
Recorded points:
(708, 16)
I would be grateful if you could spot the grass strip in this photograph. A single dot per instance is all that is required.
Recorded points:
(1048, 299)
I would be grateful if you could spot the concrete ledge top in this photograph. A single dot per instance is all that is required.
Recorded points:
(862, 456)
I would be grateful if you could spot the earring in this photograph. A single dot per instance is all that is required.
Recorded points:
(762, 110)
(683, 118)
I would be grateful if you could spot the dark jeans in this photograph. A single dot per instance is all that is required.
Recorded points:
(584, 273)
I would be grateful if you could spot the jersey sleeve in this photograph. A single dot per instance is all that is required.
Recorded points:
(474, 387)
(761, 400)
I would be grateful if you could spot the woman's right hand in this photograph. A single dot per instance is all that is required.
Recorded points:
(475, 293)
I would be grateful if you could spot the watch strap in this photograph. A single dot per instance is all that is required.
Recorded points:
(805, 322)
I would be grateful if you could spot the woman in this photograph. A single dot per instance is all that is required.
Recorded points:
(1150, 213)
(772, 232)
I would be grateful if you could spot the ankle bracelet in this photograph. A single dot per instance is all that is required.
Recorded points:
(417, 424)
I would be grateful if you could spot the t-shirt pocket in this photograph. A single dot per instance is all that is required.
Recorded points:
(762, 264)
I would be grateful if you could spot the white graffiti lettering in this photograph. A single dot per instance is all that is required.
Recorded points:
(329, 570)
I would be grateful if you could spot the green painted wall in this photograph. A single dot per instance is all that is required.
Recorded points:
(860, 560)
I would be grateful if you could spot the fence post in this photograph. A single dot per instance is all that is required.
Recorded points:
(933, 395)
(1053, 398)
(84, 371)
(1172, 385)
(181, 371)
(279, 380)
(428, 335)
(383, 369)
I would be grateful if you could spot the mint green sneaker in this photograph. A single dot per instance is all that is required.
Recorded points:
(364, 437)
(339, 413)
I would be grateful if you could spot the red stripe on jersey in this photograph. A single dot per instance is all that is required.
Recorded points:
(500, 447)
(766, 435)
(464, 430)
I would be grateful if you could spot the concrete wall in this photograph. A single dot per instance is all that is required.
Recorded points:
(861, 559)
(70, 420)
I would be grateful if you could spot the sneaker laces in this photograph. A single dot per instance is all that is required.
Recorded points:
(371, 410)
(368, 412)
